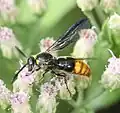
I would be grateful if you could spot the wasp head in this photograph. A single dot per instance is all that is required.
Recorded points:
(31, 63)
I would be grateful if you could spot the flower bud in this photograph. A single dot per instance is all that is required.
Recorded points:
(87, 37)
(38, 6)
(8, 9)
(114, 22)
(109, 5)
(45, 44)
(83, 82)
(87, 5)
(8, 42)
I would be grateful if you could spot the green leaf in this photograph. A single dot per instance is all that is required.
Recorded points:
(104, 100)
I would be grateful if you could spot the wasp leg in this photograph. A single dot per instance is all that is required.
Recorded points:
(43, 74)
(38, 69)
(65, 80)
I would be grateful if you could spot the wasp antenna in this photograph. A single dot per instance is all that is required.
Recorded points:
(21, 52)
(93, 58)
(16, 75)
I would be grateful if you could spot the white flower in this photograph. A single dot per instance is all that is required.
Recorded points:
(24, 81)
(109, 5)
(47, 101)
(84, 46)
(114, 22)
(20, 103)
(38, 6)
(111, 76)
(45, 44)
(7, 7)
(87, 5)
(83, 82)
(8, 42)
(4, 95)
(63, 91)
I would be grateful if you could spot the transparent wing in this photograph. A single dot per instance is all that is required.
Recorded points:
(70, 35)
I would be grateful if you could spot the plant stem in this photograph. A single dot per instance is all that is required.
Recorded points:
(80, 98)
(100, 14)
(93, 20)
(72, 103)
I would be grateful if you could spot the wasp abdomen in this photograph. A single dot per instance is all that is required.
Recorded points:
(72, 65)
(66, 64)
(81, 68)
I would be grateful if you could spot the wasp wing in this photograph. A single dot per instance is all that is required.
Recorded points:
(70, 35)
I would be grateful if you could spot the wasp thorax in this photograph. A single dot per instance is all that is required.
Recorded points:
(44, 59)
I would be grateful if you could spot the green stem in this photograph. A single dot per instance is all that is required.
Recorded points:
(100, 15)
(72, 103)
(80, 98)
(91, 16)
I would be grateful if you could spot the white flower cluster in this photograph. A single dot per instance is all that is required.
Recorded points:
(7, 6)
(87, 5)
(8, 10)
(8, 42)
(4, 95)
(109, 5)
(47, 99)
(111, 76)
(63, 91)
(84, 46)
(20, 103)
(114, 22)
(46, 43)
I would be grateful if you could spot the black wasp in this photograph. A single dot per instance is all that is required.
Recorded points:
(48, 62)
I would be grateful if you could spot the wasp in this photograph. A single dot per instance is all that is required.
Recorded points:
(59, 65)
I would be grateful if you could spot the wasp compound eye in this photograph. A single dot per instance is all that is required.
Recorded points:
(30, 62)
